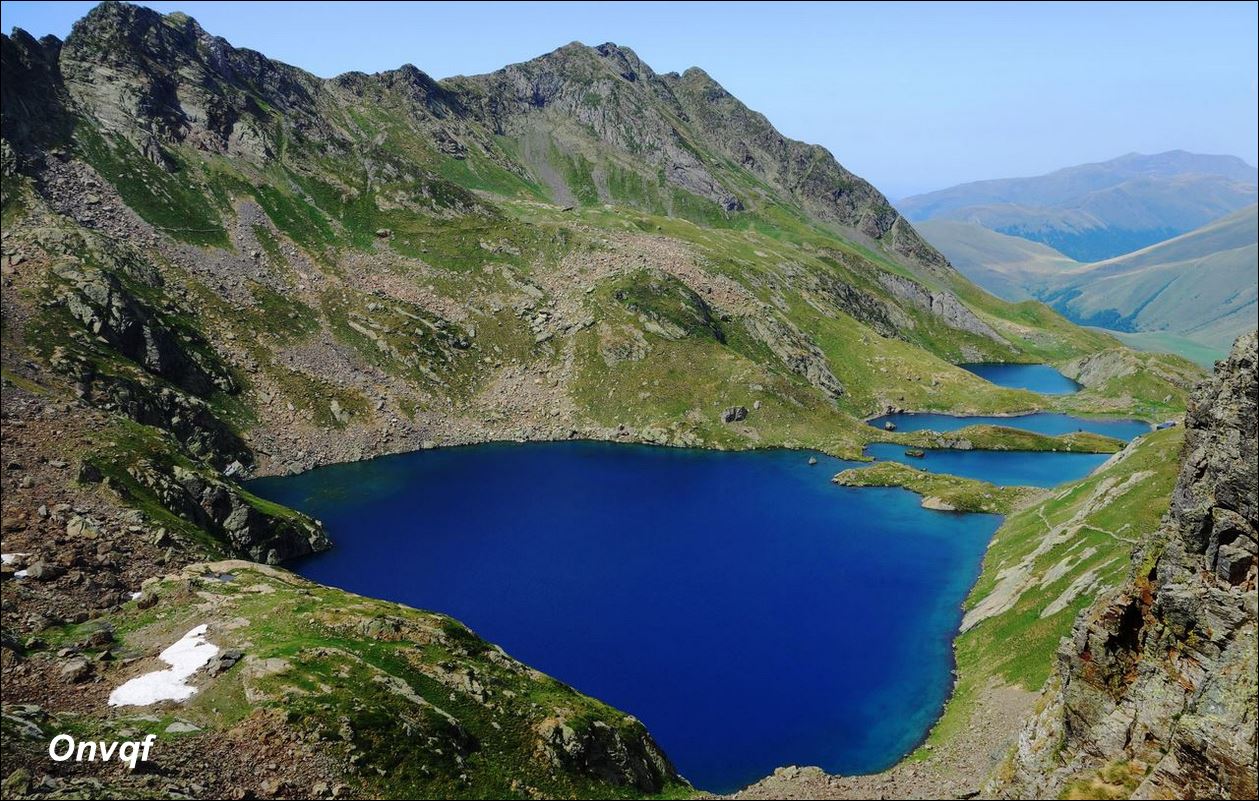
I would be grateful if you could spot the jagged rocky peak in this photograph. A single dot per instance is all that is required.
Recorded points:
(626, 61)
(692, 128)
(162, 82)
(33, 117)
(1155, 689)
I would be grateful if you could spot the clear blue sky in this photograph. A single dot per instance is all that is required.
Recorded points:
(912, 97)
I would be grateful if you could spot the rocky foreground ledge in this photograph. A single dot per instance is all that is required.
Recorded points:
(336, 695)
(1155, 691)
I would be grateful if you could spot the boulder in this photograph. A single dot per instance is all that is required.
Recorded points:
(734, 414)
(43, 571)
(76, 670)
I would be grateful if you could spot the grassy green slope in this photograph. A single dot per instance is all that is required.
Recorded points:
(423, 707)
(1007, 266)
(1200, 285)
(1047, 562)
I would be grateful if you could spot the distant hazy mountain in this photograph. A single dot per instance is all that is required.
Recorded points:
(1099, 211)
(1007, 266)
(1200, 286)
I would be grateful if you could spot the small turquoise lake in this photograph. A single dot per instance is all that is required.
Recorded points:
(1036, 377)
(748, 611)
(1052, 423)
(1004, 468)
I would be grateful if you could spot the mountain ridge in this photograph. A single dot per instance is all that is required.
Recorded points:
(220, 122)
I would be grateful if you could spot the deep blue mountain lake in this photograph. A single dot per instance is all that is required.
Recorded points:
(1006, 468)
(1037, 377)
(748, 611)
(1051, 423)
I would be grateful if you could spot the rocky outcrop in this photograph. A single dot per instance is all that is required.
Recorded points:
(941, 304)
(189, 419)
(734, 414)
(222, 508)
(1097, 369)
(106, 308)
(1155, 690)
(797, 351)
(162, 80)
(883, 317)
(166, 367)
(35, 116)
(621, 756)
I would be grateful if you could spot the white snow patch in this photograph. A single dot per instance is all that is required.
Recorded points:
(10, 558)
(136, 595)
(185, 658)
(20, 574)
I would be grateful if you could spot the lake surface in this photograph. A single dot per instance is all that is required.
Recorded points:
(749, 612)
(1052, 423)
(1004, 468)
(1037, 377)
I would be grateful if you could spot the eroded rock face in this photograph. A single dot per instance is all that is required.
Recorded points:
(625, 756)
(1155, 691)
(159, 80)
(798, 352)
(942, 304)
(100, 302)
(221, 507)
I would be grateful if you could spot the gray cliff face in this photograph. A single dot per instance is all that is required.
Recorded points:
(627, 756)
(1155, 691)
(102, 304)
(942, 304)
(219, 506)
(799, 353)
(159, 80)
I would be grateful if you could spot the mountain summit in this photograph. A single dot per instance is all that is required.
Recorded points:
(592, 124)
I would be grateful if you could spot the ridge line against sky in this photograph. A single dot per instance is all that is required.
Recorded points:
(913, 97)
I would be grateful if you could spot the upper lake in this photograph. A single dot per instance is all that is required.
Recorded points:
(1052, 423)
(1037, 377)
(1004, 468)
(749, 612)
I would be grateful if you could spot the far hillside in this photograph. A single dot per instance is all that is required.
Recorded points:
(1192, 294)
(1200, 286)
(1093, 212)
(1007, 266)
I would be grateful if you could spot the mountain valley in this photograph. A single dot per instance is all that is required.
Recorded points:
(218, 267)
